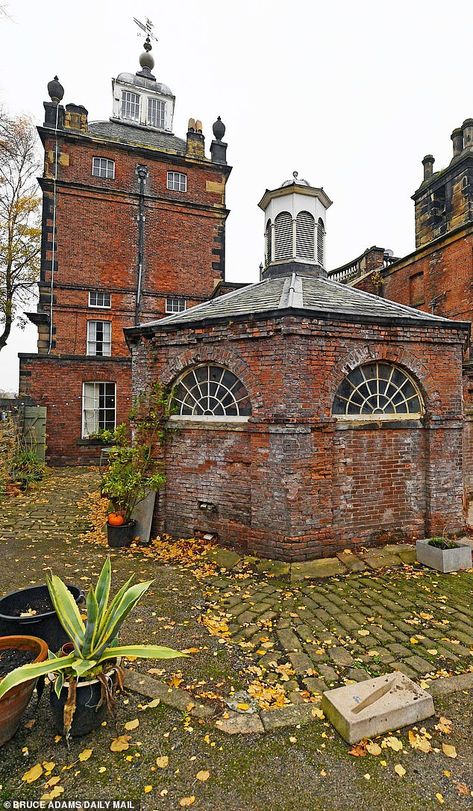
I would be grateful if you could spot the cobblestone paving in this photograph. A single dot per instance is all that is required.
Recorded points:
(351, 627)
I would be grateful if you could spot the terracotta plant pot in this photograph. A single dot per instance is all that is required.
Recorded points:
(14, 703)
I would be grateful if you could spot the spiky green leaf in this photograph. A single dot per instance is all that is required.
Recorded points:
(92, 623)
(34, 670)
(141, 652)
(102, 589)
(67, 611)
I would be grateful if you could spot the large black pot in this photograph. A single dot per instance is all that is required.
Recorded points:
(90, 710)
(122, 535)
(46, 626)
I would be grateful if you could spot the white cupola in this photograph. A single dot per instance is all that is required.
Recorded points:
(139, 100)
(294, 224)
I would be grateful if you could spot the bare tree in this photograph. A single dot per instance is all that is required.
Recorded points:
(19, 220)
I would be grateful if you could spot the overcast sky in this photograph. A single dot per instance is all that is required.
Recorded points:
(350, 94)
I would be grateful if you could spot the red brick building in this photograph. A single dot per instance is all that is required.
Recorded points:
(438, 276)
(133, 228)
(313, 417)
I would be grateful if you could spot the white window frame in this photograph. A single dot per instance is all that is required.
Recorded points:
(196, 392)
(173, 304)
(103, 167)
(160, 109)
(92, 339)
(130, 107)
(177, 181)
(98, 293)
(96, 406)
(395, 389)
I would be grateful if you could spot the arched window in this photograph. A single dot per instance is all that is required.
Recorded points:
(283, 236)
(320, 242)
(305, 235)
(378, 390)
(210, 391)
(267, 237)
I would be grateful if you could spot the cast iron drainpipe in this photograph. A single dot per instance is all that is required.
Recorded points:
(142, 172)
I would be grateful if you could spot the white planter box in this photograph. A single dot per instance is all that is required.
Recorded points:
(444, 560)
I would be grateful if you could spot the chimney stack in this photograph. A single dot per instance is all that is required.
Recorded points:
(467, 128)
(195, 147)
(428, 163)
(457, 138)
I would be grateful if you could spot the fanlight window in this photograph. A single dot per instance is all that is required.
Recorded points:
(283, 236)
(305, 235)
(380, 390)
(211, 391)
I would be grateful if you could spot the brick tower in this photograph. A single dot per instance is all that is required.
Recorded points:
(133, 228)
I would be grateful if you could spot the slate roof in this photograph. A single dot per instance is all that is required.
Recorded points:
(138, 136)
(307, 295)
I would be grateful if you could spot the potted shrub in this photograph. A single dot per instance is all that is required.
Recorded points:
(84, 681)
(133, 473)
(444, 554)
(14, 651)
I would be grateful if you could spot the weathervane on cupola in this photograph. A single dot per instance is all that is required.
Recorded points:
(146, 60)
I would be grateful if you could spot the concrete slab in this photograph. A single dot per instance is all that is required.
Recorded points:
(325, 567)
(378, 558)
(375, 706)
(351, 561)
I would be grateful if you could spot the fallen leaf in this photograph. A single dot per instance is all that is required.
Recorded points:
(373, 748)
(147, 789)
(432, 651)
(363, 632)
(439, 797)
(392, 742)
(55, 792)
(449, 750)
(463, 789)
(162, 762)
(48, 765)
(184, 802)
(102, 769)
(358, 751)
(367, 776)
(444, 725)
(85, 755)
(151, 704)
(52, 781)
(120, 744)
(400, 770)
(30, 724)
(203, 776)
(413, 640)
(132, 724)
(419, 742)
(316, 713)
(33, 774)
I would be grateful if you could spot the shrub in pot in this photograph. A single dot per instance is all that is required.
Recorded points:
(85, 680)
(15, 700)
(133, 472)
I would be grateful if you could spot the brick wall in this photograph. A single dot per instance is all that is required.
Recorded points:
(293, 482)
(57, 384)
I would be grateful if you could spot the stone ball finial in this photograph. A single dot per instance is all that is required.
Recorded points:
(146, 58)
(55, 90)
(218, 129)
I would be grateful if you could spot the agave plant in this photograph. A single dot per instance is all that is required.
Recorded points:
(95, 640)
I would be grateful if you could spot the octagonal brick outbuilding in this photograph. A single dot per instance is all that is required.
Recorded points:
(313, 417)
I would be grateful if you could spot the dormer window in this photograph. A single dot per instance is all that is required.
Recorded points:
(130, 105)
(156, 113)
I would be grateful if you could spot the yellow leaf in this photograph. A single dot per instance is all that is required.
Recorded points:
(432, 651)
(367, 776)
(132, 724)
(147, 789)
(316, 713)
(184, 802)
(191, 650)
(243, 706)
(102, 769)
(419, 742)
(52, 781)
(203, 776)
(439, 797)
(373, 748)
(162, 762)
(449, 750)
(392, 742)
(400, 770)
(447, 773)
(151, 704)
(55, 792)
(444, 725)
(413, 640)
(57, 738)
(120, 744)
(48, 765)
(363, 632)
(33, 774)
(85, 754)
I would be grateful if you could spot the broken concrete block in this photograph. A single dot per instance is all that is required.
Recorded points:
(375, 706)
(238, 723)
